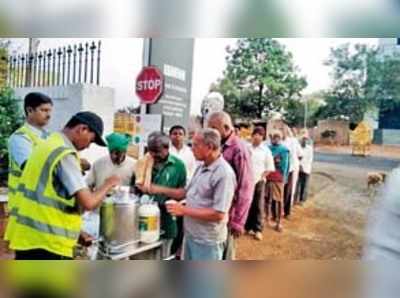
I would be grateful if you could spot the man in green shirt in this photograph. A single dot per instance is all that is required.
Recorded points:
(168, 171)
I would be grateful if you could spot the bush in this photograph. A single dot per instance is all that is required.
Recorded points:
(11, 118)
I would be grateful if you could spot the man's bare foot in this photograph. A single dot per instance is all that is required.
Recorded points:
(278, 228)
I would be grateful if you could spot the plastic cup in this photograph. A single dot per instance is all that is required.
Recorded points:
(171, 202)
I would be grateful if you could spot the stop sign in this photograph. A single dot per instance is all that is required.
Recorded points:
(149, 85)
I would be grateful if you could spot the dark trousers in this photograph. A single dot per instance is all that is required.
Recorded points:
(274, 201)
(302, 187)
(287, 195)
(255, 220)
(230, 248)
(41, 291)
(3, 210)
(37, 254)
(275, 206)
(178, 241)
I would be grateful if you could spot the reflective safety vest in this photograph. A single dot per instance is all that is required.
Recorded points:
(14, 175)
(45, 220)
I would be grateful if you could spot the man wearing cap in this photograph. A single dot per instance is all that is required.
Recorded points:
(116, 163)
(37, 109)
(52, 192)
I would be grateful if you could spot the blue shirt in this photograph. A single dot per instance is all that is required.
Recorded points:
(68, 178)
(284, 159)
(20, 146)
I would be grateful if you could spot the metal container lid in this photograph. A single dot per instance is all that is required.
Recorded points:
(121, 198)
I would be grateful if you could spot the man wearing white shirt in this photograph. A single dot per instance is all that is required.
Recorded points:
(115, 163)
(305, 170)
(177, 134)
(296, 154)
(263, 164)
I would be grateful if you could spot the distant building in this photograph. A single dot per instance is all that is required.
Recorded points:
(386, 124)
(389, 46)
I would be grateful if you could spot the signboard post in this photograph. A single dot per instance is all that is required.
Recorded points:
(149, 86)
(174, 56)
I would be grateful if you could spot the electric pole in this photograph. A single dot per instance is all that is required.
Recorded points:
(305, 112)
(32, 49)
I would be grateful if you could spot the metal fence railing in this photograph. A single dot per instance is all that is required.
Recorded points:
(79, 63)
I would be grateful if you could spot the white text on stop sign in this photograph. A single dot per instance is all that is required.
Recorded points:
(148, 85)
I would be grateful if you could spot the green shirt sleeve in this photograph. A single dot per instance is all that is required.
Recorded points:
(173, 175)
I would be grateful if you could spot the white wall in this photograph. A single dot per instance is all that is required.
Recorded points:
(388, 46)
(69, 100)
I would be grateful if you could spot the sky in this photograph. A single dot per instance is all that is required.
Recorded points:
(308, 53)
(122, 60)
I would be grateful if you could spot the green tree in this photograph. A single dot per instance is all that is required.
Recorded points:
(383, 82)
(363, 78)
(295, 110)
(4, 44)
(294, 113)
(260, 78)
(347, 98)
(10, 119)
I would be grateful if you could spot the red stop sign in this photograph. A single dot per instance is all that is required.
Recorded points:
(149, 85)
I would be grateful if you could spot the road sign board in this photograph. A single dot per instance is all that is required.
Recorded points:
(149, 85)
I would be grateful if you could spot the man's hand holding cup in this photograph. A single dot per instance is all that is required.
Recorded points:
(175, 208)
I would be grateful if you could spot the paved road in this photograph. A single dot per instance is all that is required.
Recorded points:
(368, 163)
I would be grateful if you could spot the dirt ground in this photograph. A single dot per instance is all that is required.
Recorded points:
(4, 252)
(331, 225)
(321, 229)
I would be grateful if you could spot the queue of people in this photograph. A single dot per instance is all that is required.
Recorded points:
(286, 165)
(209, 195)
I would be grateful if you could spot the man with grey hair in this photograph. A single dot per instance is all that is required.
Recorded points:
(237, 154)
(168, 171)
(208, 199)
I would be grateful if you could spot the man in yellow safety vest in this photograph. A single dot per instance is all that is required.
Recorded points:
(52, 192)
(37, 108)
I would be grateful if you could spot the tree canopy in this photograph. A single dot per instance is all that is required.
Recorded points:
(362, 78)
(10, 114)
(10, 119)
(260, 78)
(4, 44)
